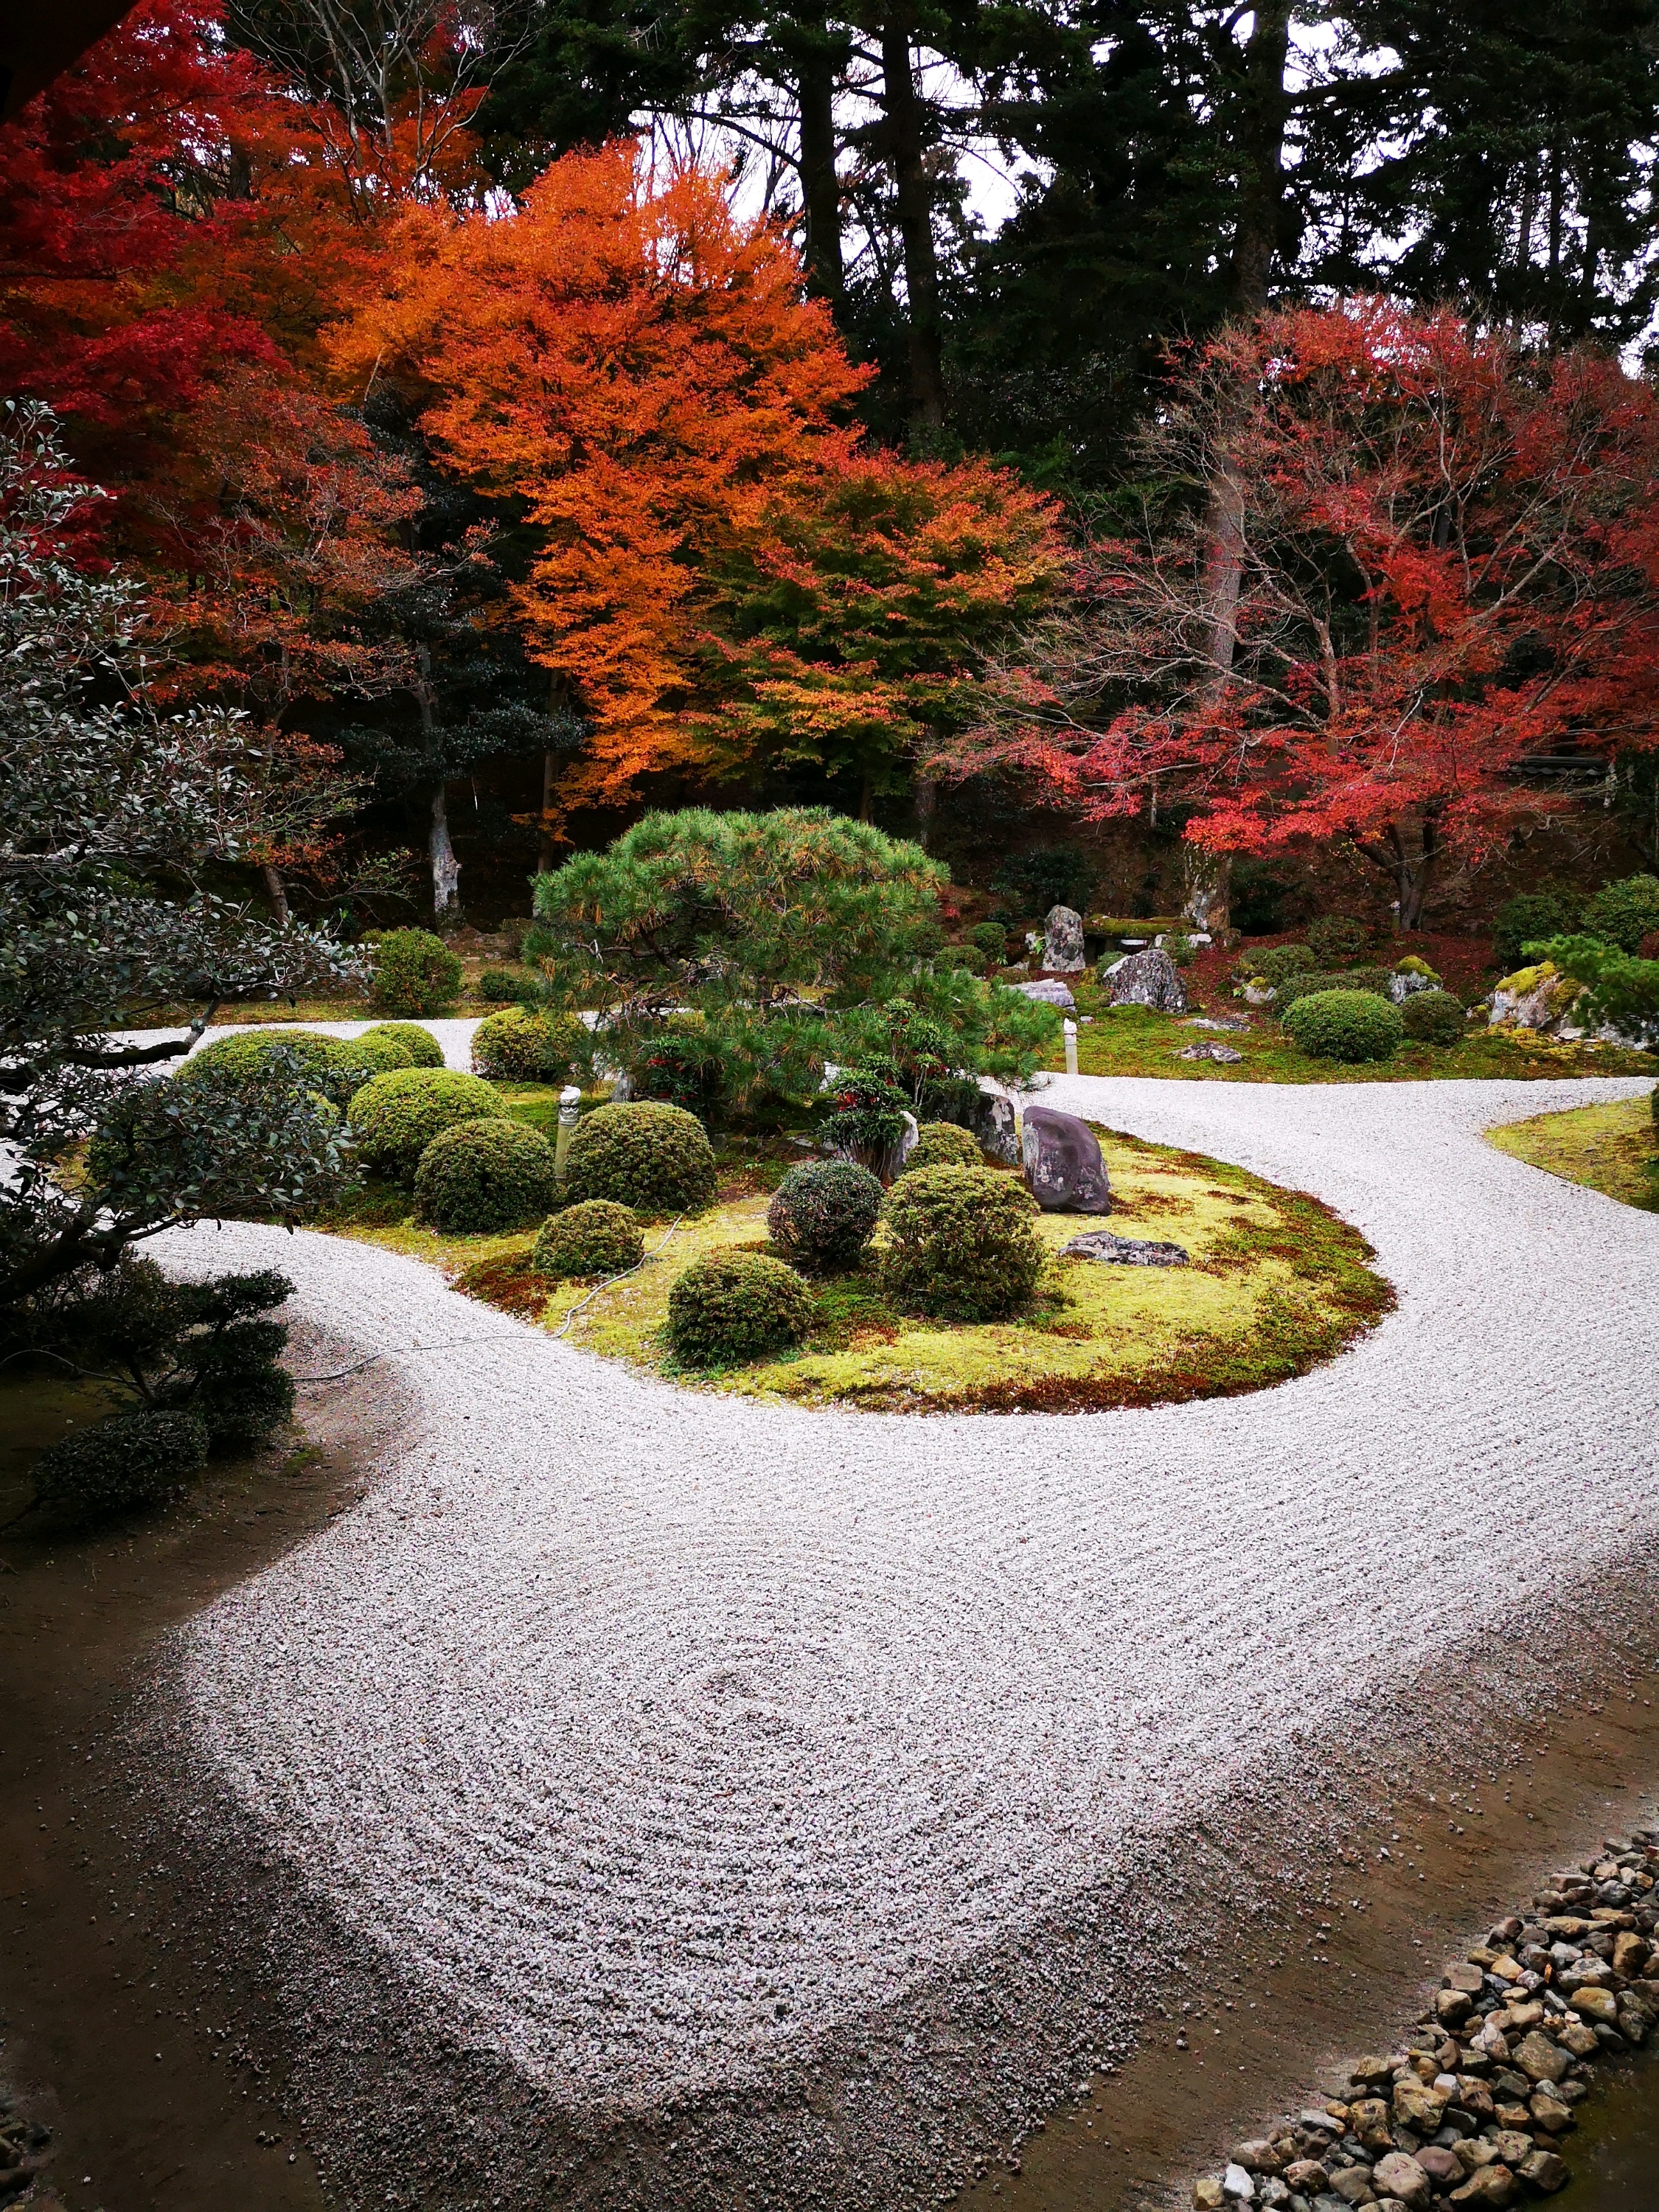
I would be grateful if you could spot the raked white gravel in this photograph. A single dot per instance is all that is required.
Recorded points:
(650, 1732)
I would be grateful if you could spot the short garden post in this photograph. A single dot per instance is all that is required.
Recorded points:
(570, 1099)
(1071, 1048)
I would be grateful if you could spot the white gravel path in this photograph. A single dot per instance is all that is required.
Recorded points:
(650, 1732)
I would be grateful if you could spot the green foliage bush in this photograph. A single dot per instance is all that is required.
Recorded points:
(1346, 1026)
(1278, 963)
(129, 1460)
(1432, 1018)
(1526, 918)
(1335, 937)
(823, 1214)
(485, 1177)
(511, 986)
(1621, 990)
(962, 1243)
(736, 1305)
(654, 1158)
(990, 939)
(594, 1239)
(337, 1068)
(395, 1117)
(680, 1066)
(1307, 983)
(423, 1047)
(1623, 913)
(867, 1110)
(519, 1046)
(415, 973)
(941, 1144)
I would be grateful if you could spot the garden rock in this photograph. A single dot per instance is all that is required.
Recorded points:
(1062, 941)
(1401, 988)
(1400, 2175)
(994, 1128)
(1208, 1049)
(1124, 1251)
(1064, 1171)
(1539, 998)
(1149, 979)
(1049, 993)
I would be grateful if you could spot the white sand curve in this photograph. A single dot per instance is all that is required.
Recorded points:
(651, 1731)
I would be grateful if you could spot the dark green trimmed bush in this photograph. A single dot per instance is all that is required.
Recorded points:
(823, 1214)
(940, 1144)
(423, 1047)
(355, 1061)
(1278, 963)
(1346, 1026)
(521, 1045)
(510, 986)
(337, 1068)
(395, 1117)
(963, 1244)
(1527, 918)
(128, 1461)
(736, 1305)
(990, 939)
(653, 1158)
(485, 1177)
(1305, 983)
(1432, 1018)
(1623, 913)
(1337, 938)
(415, 973)
(594, 1239)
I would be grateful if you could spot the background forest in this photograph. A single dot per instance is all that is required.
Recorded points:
(1213, 443)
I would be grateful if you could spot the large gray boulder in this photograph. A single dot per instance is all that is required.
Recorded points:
(1064, 1171)
(1148, 979)
(1062, 941)
(993, 1128)
(1050, 992)
(1124, 1251)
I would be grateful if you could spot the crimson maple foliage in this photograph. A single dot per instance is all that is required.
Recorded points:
(1446, 563)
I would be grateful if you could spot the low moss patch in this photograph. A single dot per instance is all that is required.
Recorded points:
(1278, 1284)
(1610, 1148)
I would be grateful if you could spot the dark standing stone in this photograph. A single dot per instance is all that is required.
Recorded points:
(993, 1128)
(1064, 1171)
(1062, 941)
(1148, 979)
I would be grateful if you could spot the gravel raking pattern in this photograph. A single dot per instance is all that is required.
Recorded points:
(656, 1737)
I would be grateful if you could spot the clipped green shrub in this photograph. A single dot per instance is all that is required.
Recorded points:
(654, 1158)
(395, 1117)
(484, 1178)
(1307, 983)
(1346, 1026)
(1527, 918)
(868, 1111)
(253, 1052)
(1278, 963)
(1623, 913)
(940, 1144)
(129, 1460)
(823, 1214)
(1432, 1018)
(736, 1305)
(511, 986)
(1335, 937)
(521, 1045)
(353, 1060)
(423, 1047)
(963, 1244)
(594, 1239)
(990, 939)
(415, 973)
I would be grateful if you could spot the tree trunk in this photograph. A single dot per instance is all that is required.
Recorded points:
(866, 798)
(1265, 109)
(915, 215)
(1206, 877)
(446, 868)
(279, 905)
(926, 801)
(820, 187)
(545, 847)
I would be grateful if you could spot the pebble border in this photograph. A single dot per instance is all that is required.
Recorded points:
(1471, 2112)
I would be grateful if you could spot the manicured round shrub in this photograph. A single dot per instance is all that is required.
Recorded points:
(1336, 938)
(1346, 1026)
(1432, 1018)
(1278, 963)
(128, 1461)
(423, 1047)
(510, 986)
(353, 1060)
(1305, 984)
(482, 1178)
(395, 1117)
(991, 940)
(655, 1159)
(251, 1052)
(1623, 913)
(593, 1238)
(736, 1305)
(962, 1243)
(415, 973)
(941, 1145)
(521, 1046)
(822, 1212)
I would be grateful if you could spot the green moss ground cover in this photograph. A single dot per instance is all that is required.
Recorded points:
(1610, 1148)
(1278, 1285)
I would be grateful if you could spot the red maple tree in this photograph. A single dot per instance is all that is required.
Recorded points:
(1390, 562)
